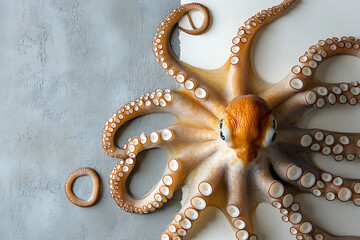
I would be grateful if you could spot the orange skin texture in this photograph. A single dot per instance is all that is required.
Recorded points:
(247, 118)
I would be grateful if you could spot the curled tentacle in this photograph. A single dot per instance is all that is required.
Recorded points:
(302, 76)
(176, 103)
(191, 7)
(96, 187)
(282, 198)
(147, 103)
(340, 145)
(191, 78)
(177, 170)
(239, 61)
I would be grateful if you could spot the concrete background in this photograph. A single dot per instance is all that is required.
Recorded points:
(67, 65)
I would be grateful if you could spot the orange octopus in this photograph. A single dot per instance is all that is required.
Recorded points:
(226, 144)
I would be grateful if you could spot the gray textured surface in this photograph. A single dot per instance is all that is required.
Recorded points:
(66, 66)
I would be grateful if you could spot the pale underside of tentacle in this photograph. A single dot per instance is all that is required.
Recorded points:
(283, 198)
(323, 95)
(181, 161)
(306, 177)
(281, 161)
(202, 185)
(183, 107)
(340, 145)
(240, 207)
(226, 185)
(187, 142)
(302, 76)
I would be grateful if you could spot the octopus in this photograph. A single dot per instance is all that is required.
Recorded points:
(236, 141)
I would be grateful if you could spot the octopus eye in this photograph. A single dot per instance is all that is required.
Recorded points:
(225, 133)
(273, 137)
(270, 136)
(222, 135)
(274, 124)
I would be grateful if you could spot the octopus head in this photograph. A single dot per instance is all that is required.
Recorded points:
(248, 126)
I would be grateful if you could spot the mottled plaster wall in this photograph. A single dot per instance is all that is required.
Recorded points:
(65, 67)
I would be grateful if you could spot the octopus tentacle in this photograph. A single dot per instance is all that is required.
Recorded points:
(318, 97)
(329, 186)
(319, 183)
(191, 78)
(206, 21)
(237, 210)
(344, 93)
(336, 187)
(159, 101)
(302, 175)
(145, 104)
(96, 187)
(186, 109)
(302, 76)
(175, 172)
(283, 199)
(239, 61)
(202, 186)
(243, 166)
(286, 113)
(340, 145)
